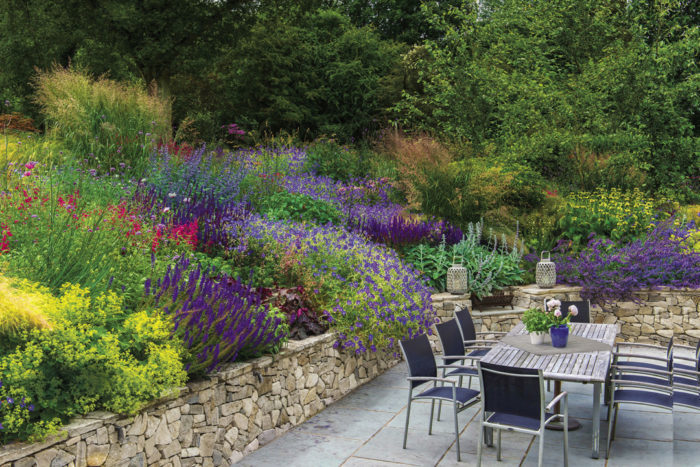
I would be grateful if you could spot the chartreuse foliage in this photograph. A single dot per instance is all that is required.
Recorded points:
(95, 356)
(23, 306)
(611, 213)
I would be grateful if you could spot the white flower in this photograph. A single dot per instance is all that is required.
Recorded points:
(573, 310)
(553, 304)
(172, 194)
(186, 200)
(166, 210)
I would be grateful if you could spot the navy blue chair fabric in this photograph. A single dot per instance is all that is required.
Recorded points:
(475, 347)
(423, 369)
(466, 324)
(508, 394)
(420, 359)
(513, 400)
(639, 385)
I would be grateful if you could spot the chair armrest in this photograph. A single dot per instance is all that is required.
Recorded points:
(621, 382)
(457, 367)
(678, 371)
(495, 333)
(562, 395)
(635, 344)
(642, 357)
(639, 369)
(431, 378)
(480, 341)
(458, 357)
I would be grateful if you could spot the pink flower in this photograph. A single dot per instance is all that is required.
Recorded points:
(27, 174)
(30, 165)
(553, 303)
(573, 310)
(557, 313)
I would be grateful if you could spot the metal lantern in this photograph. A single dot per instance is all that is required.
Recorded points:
(546, 272)
(457, 278)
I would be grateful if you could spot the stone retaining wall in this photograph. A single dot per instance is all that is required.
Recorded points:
(215, 421)
(657, 316)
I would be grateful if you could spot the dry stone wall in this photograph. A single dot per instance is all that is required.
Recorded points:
(654, 318)
(215, 421)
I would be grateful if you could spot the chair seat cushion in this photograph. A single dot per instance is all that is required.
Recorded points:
(644, 397)
(463, 372)
(682, 366)
(464, 395)
(686, 399)
(645, 379)
(653, 366)
(684, 380)
(517, 420)
(478, 352)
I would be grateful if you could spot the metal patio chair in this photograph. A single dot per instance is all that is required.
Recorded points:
(513, 399)
(474, 346)
(638, 363)
(652, 388)
(686, 380)
(453, 351)
(423, 369)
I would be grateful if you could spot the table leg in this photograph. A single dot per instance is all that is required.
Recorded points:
(596, 420)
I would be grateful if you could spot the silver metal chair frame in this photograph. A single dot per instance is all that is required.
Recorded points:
(457, 406)
(650, 387)
(563, 396)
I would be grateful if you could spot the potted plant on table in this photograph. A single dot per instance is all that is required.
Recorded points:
(537, 325)
(559, 323)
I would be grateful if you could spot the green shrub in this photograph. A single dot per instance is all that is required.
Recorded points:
(95, 357)
(609, 212)
(325, 157)
(113, 122)
(284, 205)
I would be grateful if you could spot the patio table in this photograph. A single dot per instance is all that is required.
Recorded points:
(583, 367)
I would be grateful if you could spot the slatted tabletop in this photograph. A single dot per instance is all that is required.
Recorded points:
(581, 367)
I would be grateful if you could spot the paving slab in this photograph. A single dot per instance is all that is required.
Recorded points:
(637, 452)
(346, 422)
(421, 448)
(365, 428)
(297, 449)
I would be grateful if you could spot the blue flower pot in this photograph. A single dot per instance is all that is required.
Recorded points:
(560, 335)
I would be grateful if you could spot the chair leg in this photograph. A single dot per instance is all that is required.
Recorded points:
(432, 410)
(617, 409)
(498, 448)
(459, 454)
(541, 453)
(480, 446)
(566, 435)
(440, 402)
(408, 414)
(549, 386)
(611, 413)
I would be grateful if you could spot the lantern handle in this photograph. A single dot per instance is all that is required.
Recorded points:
(454, 259)
(548, 256)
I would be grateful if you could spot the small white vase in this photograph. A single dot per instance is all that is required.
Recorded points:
(537, 338)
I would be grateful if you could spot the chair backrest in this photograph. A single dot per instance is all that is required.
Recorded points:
(466, 324)
(419, 357)
(697, 357)
(450, 339)
(584, 309)
(510, 390)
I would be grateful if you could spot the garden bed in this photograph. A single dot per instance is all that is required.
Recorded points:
(217, 420)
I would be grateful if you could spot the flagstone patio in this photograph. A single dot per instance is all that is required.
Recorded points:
(365, 428)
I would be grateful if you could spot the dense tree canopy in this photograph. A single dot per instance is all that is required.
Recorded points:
(600, 92)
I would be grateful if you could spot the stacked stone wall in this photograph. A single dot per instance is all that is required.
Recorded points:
(215, 421)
